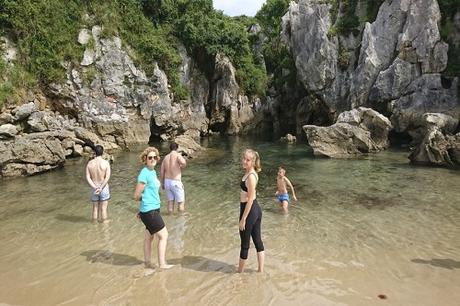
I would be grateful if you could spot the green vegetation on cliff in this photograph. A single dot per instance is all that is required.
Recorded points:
(46, 32)
(206, 32)
(278, 60)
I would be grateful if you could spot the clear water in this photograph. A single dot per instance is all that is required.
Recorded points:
(361, 228)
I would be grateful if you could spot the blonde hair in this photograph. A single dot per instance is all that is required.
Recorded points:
(255, 159)
(147, 151)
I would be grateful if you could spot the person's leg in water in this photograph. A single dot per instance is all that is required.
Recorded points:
(284, 206)
(181, 207)
(148, 238)
(245, 237)
(257, 239)
(162, 242)
(252, 228)
(179, 196)
(95, 212)
(103, 217)
(170, 207)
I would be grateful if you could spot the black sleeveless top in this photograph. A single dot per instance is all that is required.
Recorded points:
(243, 183)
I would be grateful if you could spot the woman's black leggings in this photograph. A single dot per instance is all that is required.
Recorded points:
(252, 228)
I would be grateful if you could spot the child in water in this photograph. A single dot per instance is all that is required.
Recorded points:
(282, 194)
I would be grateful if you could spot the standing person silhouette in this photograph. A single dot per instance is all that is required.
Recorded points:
(250, 211)
(170, 177)
(148, 193)
(97, 176)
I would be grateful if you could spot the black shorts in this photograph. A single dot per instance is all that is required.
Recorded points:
(152, 221)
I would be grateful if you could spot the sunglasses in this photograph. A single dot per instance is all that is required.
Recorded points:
(151, 157)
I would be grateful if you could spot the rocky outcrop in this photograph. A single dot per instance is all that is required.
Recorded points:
(398, 68)
(288, 138)
(31, 154)
(108, 100)
(226, 116)
(120, 103)
(305, 31)
(356, 132)
(35, 141)
(188, 146)
(439, 147)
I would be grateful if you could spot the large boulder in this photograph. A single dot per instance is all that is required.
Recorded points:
(29, 155)
(356, 132)
(8, 131)
(439, 147)
(188, 146)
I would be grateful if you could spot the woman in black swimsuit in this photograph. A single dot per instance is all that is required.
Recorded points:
(250, 211)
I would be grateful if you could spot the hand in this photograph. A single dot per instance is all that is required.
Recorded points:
(138, 216)
(276, 193)
(242, 224)
(295, 198)
(97, 190)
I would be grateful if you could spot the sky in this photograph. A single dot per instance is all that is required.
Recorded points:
(238, 7)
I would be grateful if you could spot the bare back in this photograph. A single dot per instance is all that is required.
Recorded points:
(98, 168)
(172, 164)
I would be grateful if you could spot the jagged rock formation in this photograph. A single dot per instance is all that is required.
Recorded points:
(397, 72)
(229, 111)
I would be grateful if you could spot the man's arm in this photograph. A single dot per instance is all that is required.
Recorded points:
(108, 172)
(182, 161)
(88, 178)
(162, 174)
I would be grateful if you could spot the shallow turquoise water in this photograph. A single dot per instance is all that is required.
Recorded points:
(361, 228)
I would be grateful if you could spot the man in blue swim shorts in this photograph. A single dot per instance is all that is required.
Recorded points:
(282, 193)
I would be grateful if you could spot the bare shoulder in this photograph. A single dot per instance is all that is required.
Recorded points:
(90, 163)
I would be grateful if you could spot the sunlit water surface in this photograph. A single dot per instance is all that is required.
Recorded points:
(361, 228)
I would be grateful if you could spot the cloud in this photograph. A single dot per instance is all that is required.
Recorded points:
(238, 7)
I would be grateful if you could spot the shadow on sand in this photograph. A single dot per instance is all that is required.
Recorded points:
(108, 257)
(74, 219)
(203, 264)
(440, 262)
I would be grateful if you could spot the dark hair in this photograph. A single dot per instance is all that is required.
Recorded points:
(173, 146)
(99, 150)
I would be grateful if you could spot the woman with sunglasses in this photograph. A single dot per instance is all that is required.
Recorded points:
(148, 193)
